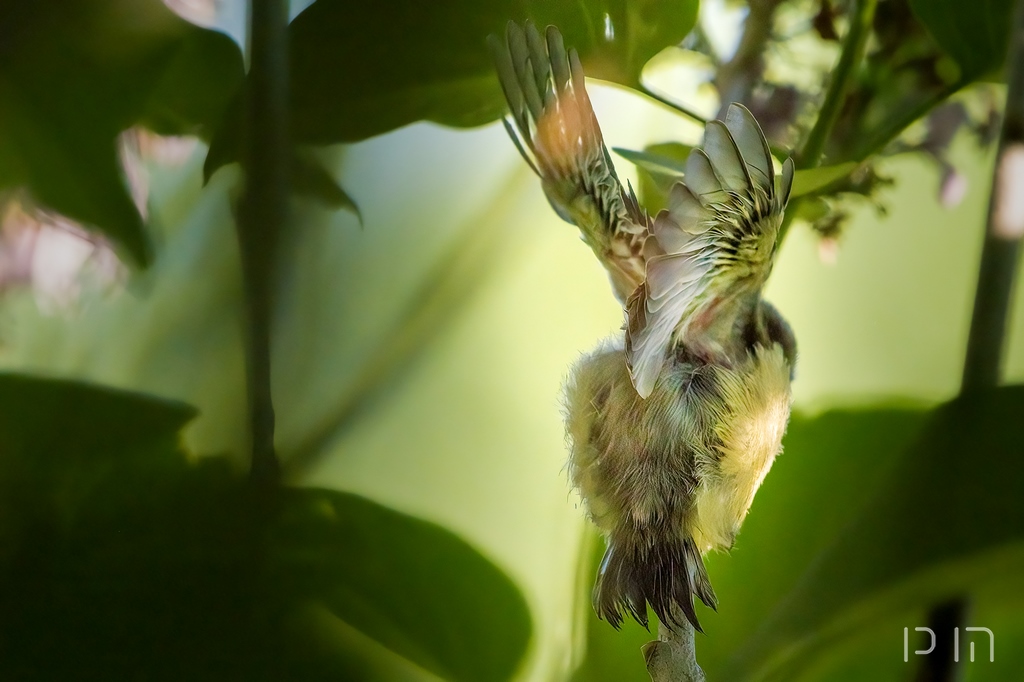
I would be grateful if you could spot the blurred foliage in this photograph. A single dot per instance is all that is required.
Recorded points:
(124, 557)
(975, 35)
(132, 562)
(361, 71)
(74, 74)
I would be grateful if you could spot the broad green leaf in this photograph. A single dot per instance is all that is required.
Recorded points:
(408, 584)
(123, 560)
(60, 439)
(361, 69)
(975, 34)
(74, 74)
(814, 179)
(947, 521)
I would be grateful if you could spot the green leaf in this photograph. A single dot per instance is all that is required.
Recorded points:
(60, 439)
(975, 34)
(814, 179)
(309, 178)
(75, 74)
(131, 562)
(361, 69)
(946, 521)
(409, 584)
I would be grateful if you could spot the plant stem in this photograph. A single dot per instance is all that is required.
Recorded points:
(1005, 228)
(854, 46)
(672, 657)
(736, 78)
(939, 665)
(261, 215)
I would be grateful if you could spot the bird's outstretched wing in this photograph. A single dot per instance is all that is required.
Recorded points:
(557, 133)
(719, 231)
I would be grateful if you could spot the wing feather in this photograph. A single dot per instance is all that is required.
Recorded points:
(728, 193)
(558, 133)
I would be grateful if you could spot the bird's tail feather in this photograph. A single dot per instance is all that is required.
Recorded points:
(665, 574)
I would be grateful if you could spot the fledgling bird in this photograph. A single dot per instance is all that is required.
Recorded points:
(673, 427)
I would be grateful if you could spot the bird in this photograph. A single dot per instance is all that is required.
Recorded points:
(674, 423)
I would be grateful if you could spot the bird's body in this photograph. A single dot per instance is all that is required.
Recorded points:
(675, 425)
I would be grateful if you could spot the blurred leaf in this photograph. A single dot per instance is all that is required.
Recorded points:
(947, 520)
(361, 69)
(309, 178)
(975, 34)
(409, 584)
(813, 209)
(74, 74)
(814, 179)
(130, 562)
(60, 439)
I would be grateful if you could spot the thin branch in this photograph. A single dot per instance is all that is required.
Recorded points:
(675, 106)
(672, 657)
(261, 215)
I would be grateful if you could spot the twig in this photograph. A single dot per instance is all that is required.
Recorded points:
(854, 46)
(261, 215)
(672, 657)
(675, 106)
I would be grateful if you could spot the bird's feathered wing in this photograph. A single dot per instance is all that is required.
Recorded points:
(658, 267)
(556, 131)
(730, 196)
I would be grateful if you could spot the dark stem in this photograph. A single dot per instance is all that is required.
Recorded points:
(261, 215)
(1001, 249)
(996, 273)
(736, 78)
(939, 665)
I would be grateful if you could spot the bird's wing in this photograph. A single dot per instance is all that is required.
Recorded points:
(729, 192)
(556, 131)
